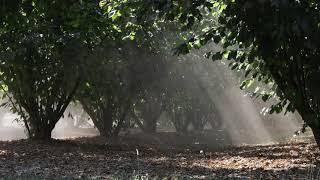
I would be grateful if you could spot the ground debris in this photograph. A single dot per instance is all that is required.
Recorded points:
(77, 159)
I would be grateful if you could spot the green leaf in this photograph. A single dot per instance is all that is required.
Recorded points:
(234, 66)
(232, 55)
(265, 97)
(217, 56)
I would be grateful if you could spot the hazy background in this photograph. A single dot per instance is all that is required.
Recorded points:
(243, 119)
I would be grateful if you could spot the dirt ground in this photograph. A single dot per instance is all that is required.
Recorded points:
(96, 158)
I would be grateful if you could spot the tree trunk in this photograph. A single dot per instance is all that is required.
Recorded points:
(42, 133)
(310, 118)
(107, 122)
(150, 125)
(316, 134)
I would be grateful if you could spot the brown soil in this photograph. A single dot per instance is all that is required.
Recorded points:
(96, 158)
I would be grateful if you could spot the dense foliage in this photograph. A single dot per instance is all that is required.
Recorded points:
(273, 41)
(115, 58)
(39, 64)
(44, 46)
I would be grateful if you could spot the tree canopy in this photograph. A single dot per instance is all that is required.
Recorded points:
(53, 52)
(273, 41)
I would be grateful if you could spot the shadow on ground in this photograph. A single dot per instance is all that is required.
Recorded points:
(80, 159)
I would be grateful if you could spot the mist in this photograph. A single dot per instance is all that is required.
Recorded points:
(241, 119)
(245, 120)
(12, 129)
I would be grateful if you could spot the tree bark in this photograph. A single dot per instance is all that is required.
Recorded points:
(316, 134)
(150, 125)
(41, 133)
